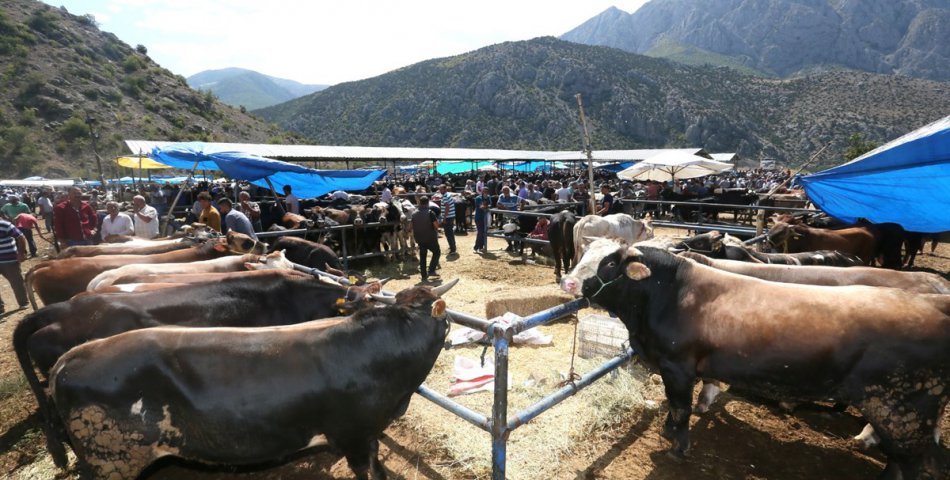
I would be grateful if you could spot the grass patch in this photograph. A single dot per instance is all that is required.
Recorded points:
(12, 386)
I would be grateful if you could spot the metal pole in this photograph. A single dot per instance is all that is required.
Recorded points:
(346, 263)
(499, 422)
(592, 204)
(568, 390)
(466, 414)
(277, 201)
(171, 210)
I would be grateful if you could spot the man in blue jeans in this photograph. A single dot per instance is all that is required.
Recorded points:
(425, 229)
(482, 204)
(448, 216)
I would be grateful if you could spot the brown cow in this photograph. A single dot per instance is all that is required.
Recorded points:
(58, 280)
(859, 241)
(917, 282)
(134, 247)
(884, 351)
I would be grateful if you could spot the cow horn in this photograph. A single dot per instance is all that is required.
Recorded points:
(383, 299)
(676, 250)
(443, 289)
(384, 281)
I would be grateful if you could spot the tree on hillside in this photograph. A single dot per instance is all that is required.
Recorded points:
(857, 146)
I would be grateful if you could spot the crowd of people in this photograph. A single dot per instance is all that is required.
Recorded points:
(447, 198)
(454, 203)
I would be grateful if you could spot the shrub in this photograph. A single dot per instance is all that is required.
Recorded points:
(141, 49)
(89, 20)
(132, 63)
(42, 21)
(74, 129)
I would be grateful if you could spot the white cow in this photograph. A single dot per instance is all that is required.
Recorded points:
(618, 226)
(225, 264)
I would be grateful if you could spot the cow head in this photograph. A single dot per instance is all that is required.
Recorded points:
(240, 243)
(709, 243)
(606, 262)
(419, 296)
(271, 261)
(780, 234)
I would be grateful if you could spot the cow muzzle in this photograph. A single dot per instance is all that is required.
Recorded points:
(571, 285)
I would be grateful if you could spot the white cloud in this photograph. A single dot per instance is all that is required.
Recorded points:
(327, 42)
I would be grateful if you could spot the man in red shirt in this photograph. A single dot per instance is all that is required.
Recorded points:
(26, 223)
(74, 221)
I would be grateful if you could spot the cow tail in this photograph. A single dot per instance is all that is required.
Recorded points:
(28, 281)
(51, 424)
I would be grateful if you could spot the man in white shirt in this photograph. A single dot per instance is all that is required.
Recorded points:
(564, 194)
(146, 218)
(291, 202)
(115, 223)
(45, 203)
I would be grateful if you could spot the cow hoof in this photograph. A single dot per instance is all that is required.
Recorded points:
(676, 455)
(700, 408)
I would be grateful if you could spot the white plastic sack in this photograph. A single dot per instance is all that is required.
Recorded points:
(532, 336)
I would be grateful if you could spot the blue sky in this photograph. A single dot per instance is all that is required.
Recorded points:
(314, 41)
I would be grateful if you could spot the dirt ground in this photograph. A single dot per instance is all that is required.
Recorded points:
(737, 439)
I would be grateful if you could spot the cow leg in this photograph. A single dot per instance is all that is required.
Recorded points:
(678, 383)
(363, 457)
(557, 267)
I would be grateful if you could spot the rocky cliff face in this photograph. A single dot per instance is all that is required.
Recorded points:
(785, 37)
(69, 88)
(521, 95)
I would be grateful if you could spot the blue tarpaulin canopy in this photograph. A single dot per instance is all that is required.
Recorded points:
(535, 165)
(460, 166)
(306, 182)
(906, 181)
(616, 167)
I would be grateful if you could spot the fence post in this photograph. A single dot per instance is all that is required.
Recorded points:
(346, 263)
(499, 426)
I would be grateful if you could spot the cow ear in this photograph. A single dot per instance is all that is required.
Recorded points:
(637, 271)
(221, 247)
(251, 266)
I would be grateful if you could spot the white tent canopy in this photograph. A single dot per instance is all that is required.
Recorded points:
(673, 166)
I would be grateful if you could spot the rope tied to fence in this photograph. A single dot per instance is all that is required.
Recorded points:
(572, 376)
(490, 338)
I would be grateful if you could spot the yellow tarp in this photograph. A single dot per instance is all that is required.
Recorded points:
(146, 163)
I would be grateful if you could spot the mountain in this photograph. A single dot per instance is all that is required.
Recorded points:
(64, 82)
(784, 37)
(522, 95)
(253, 90)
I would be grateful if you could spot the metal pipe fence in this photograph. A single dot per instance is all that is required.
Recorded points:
(500, 425)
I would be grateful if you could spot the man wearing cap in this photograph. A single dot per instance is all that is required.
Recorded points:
(14, 207)
(146, 218)
(74, 220)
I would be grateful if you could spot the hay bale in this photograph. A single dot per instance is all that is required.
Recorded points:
(525, 301)
(600, 335)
